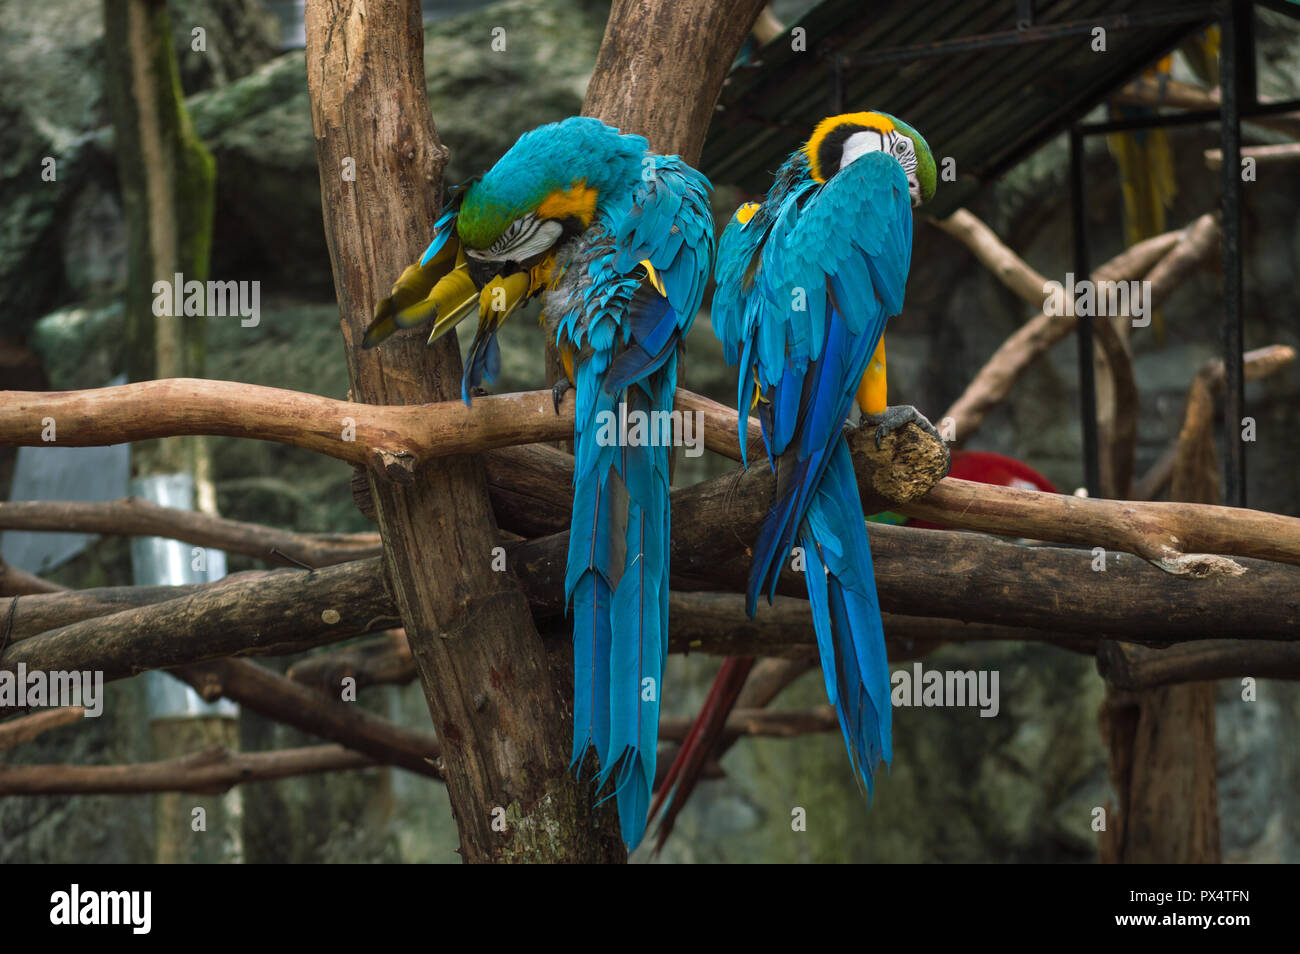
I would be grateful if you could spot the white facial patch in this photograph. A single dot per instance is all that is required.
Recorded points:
(859, 144)
(895, 143)
(523, 239)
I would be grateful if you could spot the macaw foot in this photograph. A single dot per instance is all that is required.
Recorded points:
(557, 392)
(895, 417)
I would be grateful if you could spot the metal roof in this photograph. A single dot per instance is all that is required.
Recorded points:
(985, 81)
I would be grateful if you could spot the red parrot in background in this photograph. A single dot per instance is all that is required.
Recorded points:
(983, 467)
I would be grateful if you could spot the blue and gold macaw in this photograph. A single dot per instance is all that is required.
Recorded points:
(619, 243)
(806, 282)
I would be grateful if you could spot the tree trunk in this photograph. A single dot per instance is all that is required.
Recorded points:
(168, 181)
(661, 67)
(498, 711)
(1163, 760)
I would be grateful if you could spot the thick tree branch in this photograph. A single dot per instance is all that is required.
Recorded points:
(667, 92)
(280, 611)
(1127, 666)
(1045, 593)
(1182, 539)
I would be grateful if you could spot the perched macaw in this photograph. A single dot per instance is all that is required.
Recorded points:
(806, 281)
(619, 242)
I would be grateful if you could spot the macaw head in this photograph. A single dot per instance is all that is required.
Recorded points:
(546, 188)
(494, 245)
(838, 140)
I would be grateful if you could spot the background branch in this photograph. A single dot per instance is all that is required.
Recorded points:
(210, 772)
(132, 516)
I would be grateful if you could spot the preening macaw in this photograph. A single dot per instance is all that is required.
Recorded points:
(806, 281)
(619, 242)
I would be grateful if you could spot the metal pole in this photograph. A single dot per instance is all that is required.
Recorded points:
(1083, 329)
(1230, 83)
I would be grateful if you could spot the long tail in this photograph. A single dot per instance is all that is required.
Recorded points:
(846, 614)
(617, 580)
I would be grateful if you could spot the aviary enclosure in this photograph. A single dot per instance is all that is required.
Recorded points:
(275, 589)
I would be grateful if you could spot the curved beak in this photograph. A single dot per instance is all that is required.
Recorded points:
(437, 289)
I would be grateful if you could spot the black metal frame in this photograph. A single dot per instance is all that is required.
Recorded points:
(1238, 100)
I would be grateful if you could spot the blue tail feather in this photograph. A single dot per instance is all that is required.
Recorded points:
(618, 582)
(846, 615)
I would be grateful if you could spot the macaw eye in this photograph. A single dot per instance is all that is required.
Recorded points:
(902, 148)
(522, 239)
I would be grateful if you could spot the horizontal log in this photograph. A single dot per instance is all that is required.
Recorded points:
(280, 611)
(533, 480)
(1128, 666)
(1181, 539)
(213, 771)
(949, 575)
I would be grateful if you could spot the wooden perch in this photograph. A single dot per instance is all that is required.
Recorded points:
(910, 461)
(213, 771)
(1127, 666)
(994, 582)
(696, 620)
(896, 477)
(132, 516)
(958, 576)
(1052, 592)
(20, 731)
(395, 440)
(283, 611)
(1168, 258)
(1182, 539)
(276, 697)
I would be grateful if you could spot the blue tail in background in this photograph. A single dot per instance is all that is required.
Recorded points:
(846, 614)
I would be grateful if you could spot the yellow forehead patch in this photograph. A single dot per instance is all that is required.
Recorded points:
(812, 147)
(576, 202)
